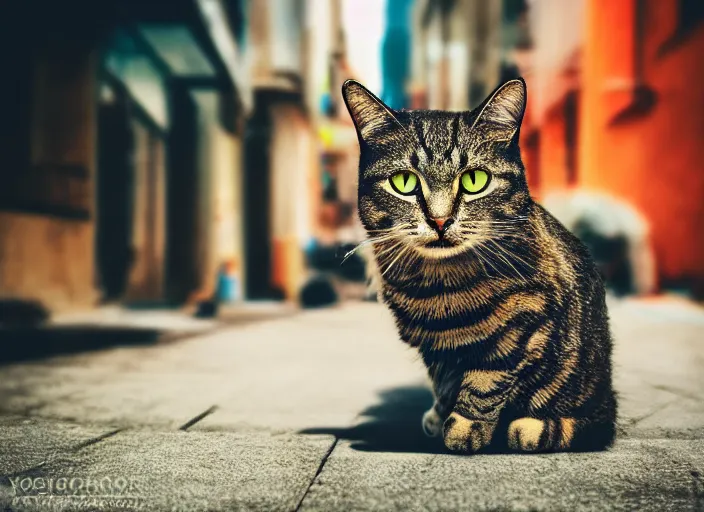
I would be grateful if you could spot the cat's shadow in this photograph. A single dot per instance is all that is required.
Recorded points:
(393, 425)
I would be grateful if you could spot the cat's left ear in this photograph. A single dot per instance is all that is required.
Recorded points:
(372, 118)
(501, 115)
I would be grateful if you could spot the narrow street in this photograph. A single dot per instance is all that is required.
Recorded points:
(321, 411)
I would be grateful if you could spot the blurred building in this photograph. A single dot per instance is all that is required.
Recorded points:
(334, 185)
(457, 52)
(281, 160)
(145, 146)
(614, 108)
(121, 131)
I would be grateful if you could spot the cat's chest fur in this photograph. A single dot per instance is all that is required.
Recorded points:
(461, 306)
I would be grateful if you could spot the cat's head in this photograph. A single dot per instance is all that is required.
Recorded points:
(441, 182)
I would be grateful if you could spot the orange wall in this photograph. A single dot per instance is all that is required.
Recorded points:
(47, 259)
(655, 158)
(553, 171)
(530, 152)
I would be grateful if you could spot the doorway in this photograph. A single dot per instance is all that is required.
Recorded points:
(114, 194)
(130, 205)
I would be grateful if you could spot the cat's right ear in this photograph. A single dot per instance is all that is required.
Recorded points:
(371, 117)
(501, 114)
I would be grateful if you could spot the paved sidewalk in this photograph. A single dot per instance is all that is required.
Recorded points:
(321, 411)
(111, 326)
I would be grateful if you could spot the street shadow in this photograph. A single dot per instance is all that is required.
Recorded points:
(394, 425)
(31, 343)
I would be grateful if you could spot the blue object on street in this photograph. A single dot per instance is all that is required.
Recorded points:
(228, 288)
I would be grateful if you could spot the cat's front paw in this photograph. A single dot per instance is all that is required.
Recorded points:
(533, 434)
(466, 436)
(432, 423)
(526, 435)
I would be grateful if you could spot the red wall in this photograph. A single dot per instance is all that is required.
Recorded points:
(653, 156)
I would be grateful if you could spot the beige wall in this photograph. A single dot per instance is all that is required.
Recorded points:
(238, 218)
(290, 195)
(227, 201)
(51, 259)
(277, 41)
(220, 223)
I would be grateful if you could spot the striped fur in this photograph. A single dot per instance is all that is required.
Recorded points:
(508, 313)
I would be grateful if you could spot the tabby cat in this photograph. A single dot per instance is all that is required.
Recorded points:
(504, 304)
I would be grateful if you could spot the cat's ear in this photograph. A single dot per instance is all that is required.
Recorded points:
(371, 117)
(501, 114)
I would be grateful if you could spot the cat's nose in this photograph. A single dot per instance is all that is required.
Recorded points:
(440, 224)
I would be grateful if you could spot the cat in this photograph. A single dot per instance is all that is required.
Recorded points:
(504, 305)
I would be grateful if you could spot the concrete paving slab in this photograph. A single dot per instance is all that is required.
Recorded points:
(304, 371)
(319, 369)
(27, 442)
(155, 471)
(635, 475)
(105, 394)
(683, 419)
(661, 342)
(137, 398)
(29, 386)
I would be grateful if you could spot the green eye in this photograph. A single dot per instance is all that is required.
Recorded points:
(404, 182)
(474, 181)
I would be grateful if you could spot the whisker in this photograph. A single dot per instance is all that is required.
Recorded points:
(514, 255)
(509, 225)
(515, 220)
(489, 221)
(401, 253)
(387, 250)
(491, 229)
(480, 260)
(507, 261)
(349, 253)
(391, 229)
(387, 234)
(488, 260)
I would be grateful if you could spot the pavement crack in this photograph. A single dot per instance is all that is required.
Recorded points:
(317, 473)
(632, 422)
(196, 419)
(95, 440)
(677, 392)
